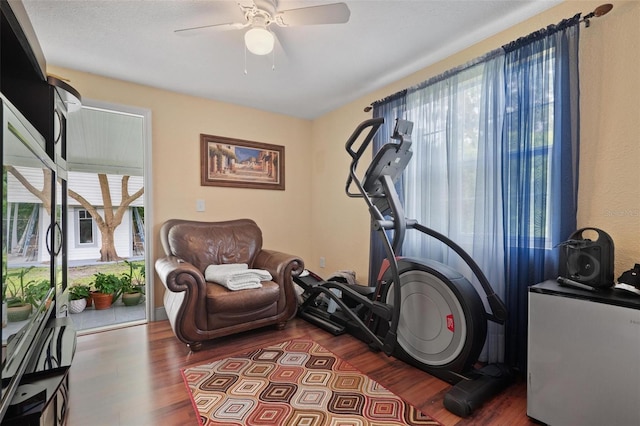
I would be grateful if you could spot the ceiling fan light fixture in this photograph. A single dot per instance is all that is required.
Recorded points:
(259, 41)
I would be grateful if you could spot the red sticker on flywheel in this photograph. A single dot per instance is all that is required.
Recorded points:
(450, 325)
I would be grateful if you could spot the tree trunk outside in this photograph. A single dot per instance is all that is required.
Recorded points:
(111, 220)
(106, 225)
(108, 248)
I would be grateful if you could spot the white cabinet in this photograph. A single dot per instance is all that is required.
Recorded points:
(583, 356)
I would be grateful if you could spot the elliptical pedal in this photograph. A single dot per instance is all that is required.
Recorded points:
(310, 314)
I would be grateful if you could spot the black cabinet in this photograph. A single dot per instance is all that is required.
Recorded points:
(36, 352)
(40, 402)
(43, 395)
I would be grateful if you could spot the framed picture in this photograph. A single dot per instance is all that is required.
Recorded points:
(241, 164)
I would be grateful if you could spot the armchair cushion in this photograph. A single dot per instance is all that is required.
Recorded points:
(225, 302)
(205, 243)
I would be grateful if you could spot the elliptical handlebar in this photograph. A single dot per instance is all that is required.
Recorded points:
(374, 124)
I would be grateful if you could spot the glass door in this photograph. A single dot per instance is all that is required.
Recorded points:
(107, 215)
(27, 192)
(59, 240)
(59, 251)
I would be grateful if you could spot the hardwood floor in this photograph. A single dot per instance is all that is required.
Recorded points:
(132, 376)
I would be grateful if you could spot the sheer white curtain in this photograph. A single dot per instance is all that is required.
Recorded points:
(453, 184)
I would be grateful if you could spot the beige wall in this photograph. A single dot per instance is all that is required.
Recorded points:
(177, 122)
(314, 218)
(609, 193)
(609, 196)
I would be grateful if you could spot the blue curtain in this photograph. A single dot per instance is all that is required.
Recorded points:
(495, 168)
(540, 165)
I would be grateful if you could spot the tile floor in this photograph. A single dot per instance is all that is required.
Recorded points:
(91, 319)
(116, 314)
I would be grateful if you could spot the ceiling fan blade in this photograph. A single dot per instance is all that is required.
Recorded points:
(194, 31)
(336, 13)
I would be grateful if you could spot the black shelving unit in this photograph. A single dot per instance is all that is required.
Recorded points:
(36, 359)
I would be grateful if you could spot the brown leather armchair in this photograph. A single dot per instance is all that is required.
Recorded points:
(199, 310)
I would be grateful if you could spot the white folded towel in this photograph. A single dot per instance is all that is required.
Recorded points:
(236, 276)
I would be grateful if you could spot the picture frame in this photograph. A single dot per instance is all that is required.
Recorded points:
(238, 163)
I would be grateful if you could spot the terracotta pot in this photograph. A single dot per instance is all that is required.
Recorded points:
(77, 306)
(102, 301)
(131, 299)
(19, 313)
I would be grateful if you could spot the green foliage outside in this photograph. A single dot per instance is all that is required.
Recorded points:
(19, 288)
(107, 283)
(80, 275)
(79, 291)
(134, 280)
(86, 274)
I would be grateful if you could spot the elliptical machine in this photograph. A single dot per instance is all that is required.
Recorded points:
(418, 310)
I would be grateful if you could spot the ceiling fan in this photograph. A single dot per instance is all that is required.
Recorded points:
(258, 39)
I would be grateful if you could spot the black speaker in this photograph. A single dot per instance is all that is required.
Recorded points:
(586, 261)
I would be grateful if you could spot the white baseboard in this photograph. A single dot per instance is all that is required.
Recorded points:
(159, 314)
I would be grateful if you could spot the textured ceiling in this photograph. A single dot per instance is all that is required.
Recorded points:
(317, 68)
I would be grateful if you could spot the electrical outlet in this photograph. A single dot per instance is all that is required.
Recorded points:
(200, 205)
(322, 262)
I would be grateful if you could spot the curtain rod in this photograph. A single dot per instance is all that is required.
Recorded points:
(599, 11)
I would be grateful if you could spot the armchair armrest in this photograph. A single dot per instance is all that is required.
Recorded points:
(170, 269)
(186, 292)
(282, 267)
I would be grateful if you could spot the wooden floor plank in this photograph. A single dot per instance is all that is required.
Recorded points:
(132, 376)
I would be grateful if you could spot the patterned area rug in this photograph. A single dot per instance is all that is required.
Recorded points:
(294, 383)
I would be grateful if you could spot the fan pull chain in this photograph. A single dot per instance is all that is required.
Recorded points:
(245, 60)
(273, 61)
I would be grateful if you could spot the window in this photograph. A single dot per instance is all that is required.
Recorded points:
(443, 178)
(529, 125)
(85, 229)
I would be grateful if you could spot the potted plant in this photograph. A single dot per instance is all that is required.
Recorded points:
(18, 306)
(78, 295)
(133, 284)
(35, 292)
(108, 288)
